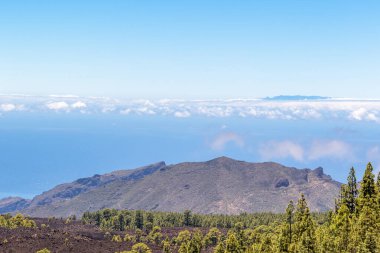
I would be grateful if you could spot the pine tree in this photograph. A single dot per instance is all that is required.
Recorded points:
(220, 248)
(139, 219)
(368, 245)
(239, 233)
(342, 198)
(212, 237)
(378, 198)
(98, 219)
(232, 244)
(341, 229)
(368, 220)
(187, 218)
(325, 239)
(266, 245)
(184, 247)
(196, 241)
(285, 238)
(366, 224)
(289, 220)
(166, 246)
(150, 218)
(304, 230)
(183, 236)
(367, 192)
(121, 222)
(351, 192)
(378, 192)
(107, 214)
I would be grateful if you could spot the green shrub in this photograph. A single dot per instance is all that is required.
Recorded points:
(117, 238)
(129, 238)
(43, 251)
(141, 248)
(212, 237)
(18, 220)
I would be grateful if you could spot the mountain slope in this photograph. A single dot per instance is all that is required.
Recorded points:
(12, 204)
(222, 185)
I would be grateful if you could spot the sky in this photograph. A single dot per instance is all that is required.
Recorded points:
(88, 87)
(190, 49)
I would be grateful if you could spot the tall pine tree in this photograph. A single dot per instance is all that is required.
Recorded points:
(351, 191)
(367, 192)
(341, 228)
(286, 235)
(367, 223)
(304, 229)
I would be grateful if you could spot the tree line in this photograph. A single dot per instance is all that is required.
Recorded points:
(352, 227)
(120, 220)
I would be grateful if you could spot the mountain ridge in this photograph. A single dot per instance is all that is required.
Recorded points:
(221, 185)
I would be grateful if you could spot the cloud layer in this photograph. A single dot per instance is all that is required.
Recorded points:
(355, 110)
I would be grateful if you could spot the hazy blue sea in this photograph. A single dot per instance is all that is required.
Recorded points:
(41, 150)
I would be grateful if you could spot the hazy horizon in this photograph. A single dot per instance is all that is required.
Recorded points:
(48, 140)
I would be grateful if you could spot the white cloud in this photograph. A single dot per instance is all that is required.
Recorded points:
(125, 111)
(108, 108)
(317, 150)
(7, 107)
(57, 106)
(358, 114)
(145, 110)
(79, 105)
(373, 153)
(220, 142)
(182, 114)
(329, 149)
(214, 111)
(329, 109)
(64, 96)
(364, 114)
(281, 150)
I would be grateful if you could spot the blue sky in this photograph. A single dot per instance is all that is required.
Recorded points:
(145, 81)
(190, 49)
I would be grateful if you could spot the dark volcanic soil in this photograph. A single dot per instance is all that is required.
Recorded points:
(72, 237)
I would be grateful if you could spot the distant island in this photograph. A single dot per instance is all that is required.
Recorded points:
(296, 98)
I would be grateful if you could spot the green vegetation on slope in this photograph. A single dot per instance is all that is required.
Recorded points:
(112, 219)
(351, 228)
(7, 221)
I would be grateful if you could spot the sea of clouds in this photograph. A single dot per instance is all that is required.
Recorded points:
(319, 109)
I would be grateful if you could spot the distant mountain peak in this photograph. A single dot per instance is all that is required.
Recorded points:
(222, 159)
